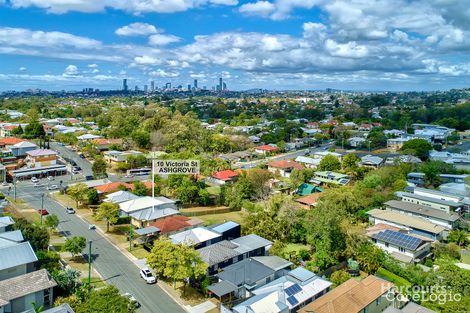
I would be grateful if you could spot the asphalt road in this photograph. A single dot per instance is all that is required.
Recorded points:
(111, 263)
(65, 152)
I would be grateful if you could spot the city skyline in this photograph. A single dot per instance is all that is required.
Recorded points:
(276, 45)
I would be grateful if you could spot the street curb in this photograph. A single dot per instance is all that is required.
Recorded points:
(133, 259)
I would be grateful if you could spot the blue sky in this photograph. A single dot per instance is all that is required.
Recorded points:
(274, 44)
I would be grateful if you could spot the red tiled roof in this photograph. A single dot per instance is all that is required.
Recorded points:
(266, 148)
(172, 223)
(224, 175)
(285, 164)
(10, 127)
(311, 199)
(366, 125)
(112, 187)
(10, 141)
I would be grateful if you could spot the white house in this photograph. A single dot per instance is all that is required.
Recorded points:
(144, 210)
(403, 247)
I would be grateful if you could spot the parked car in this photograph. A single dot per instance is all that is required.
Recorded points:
(133, 301)
(43, 212)
(81, 155)
(147, 275)
(4, 183)
(52, 187)
(50, 178)
(34, 180)
(70, 210)
(91, 226)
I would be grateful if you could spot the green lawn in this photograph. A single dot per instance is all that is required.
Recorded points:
(95, 282)
(139, 252)
(466, 258)
(213, 190)
(294, 247)
(397, 280)
(210, 219)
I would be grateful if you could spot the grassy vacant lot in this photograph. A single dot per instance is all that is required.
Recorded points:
(397, 280)
(210, 219)
(19, 208)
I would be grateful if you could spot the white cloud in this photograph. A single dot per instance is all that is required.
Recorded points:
(276, 10)
(71, 70)
(348, 50)
(163, 40)
(132, 6)
(147, 60)
(24, 37)
(93, 65)
(164, 74)
(137, 29)
(22, 69)
(260, 8)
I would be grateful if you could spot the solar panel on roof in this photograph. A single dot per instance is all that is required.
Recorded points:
(293, 301)
(292, 290)
(399, 239)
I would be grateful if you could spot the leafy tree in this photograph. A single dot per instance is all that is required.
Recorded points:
(297, 177)
(78, 192)
(105, 300)
(176, 262)
(99, 168)
(377, 138)
(74, 245)
(370, 257)
(188, 191)
(329, 163)
(141, 139)
(37, 236)
(68, 279)
(459, 237)
(139, 189)
(18, 131)
(92, 196)
(442, 250)
(34, 130)
(108, 211)
(52, 221)
(339, 277)
(48, 260)
(325, 234)
(350, 161)
(417, 147)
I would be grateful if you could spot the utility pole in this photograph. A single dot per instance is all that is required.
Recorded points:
(130, 236)
(14, 187)
(42, 206)
(89, 264)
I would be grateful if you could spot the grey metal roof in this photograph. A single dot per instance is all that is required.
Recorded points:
(246, 272)
(251, 242)
(301, 274)
(222, 288)
(434, 192)
(151, 214)
(11, 238)
(273, 262)
(218, 252)
(6, 221)
(147, 230)
(21, 253)
(402, 194)
(121, 196)
(63, 308)
(225, 226)
(422, 210)
(25, 284)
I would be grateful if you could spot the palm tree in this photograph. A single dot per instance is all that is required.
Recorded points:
(36, 308)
